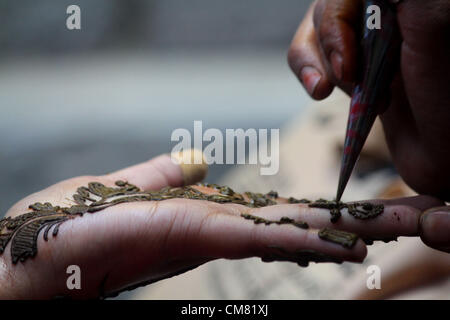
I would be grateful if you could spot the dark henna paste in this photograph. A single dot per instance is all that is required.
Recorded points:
(370, 241)
(283, 220)
(345, 239)
(293, 200)
(301, 257)
(359, 210)
(24, 229)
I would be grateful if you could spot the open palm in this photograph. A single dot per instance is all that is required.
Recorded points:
(131, 244)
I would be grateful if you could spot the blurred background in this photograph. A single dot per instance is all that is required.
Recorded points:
(90, 101)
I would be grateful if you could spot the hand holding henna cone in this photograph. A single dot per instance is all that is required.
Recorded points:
(380, 50)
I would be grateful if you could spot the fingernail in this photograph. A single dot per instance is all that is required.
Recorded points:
(336, 63)
(310, 79)
(192, 164)
(435, 226)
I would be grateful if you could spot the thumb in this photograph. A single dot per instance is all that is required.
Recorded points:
(435, 228)
(173, 170)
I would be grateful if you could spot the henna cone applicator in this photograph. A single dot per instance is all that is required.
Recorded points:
(380, 54)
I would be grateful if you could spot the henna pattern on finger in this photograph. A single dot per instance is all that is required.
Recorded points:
(301, 257)
(359, 210)
(345, 239)
(283, 220)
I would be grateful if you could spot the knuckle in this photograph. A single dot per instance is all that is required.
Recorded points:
(329, 38)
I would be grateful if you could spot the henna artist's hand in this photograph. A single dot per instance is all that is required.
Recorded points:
(324, 54)
(132, 243)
